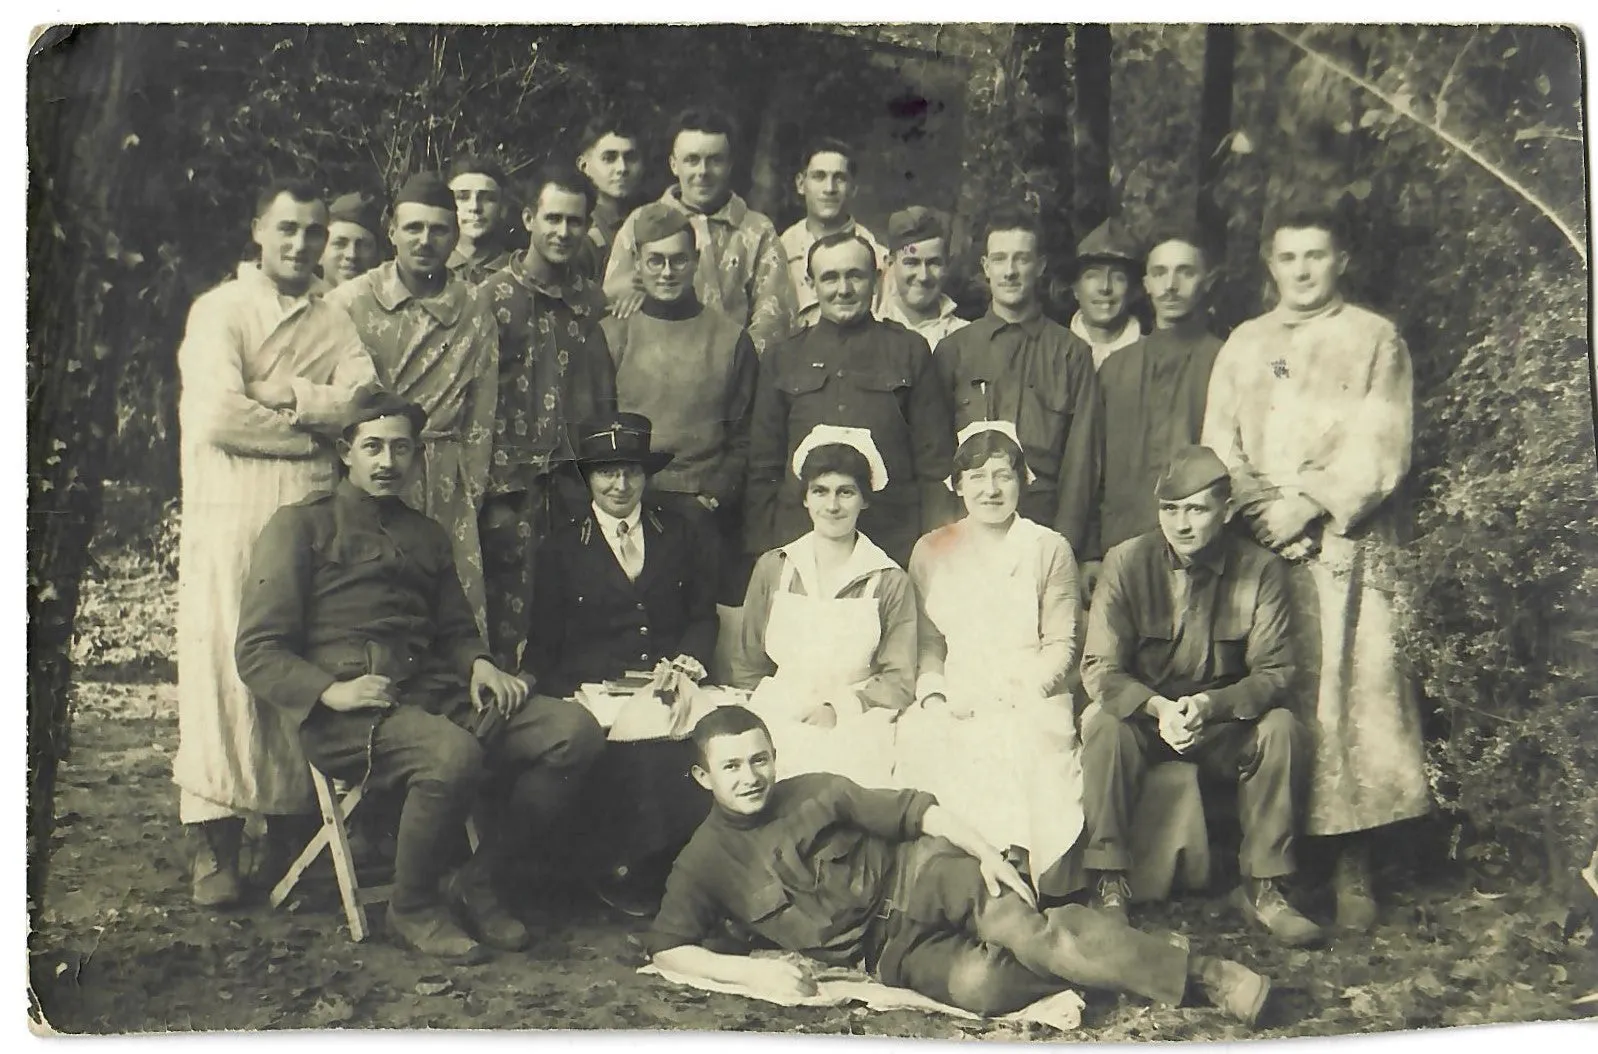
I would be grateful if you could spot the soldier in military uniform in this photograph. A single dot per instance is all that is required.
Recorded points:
(354, 625)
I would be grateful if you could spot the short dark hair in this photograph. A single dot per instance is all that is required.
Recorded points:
(827, 145)
(976, 451)
(301, 190)
(832, 241)
(562, 176)
(1187, 235)
(710, 120)
(478, 165)
(607, 122)
(1013, 218)
(1313, 217)
(841, 458)
(731, 720)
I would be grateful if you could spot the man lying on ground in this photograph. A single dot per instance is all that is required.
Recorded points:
(816, 864)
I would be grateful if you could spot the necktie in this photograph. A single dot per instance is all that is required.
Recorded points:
(632, 559)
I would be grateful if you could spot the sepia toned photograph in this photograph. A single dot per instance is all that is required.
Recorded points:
(1030, 531)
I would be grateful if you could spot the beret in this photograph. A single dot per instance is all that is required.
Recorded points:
(361, 209)
(425, 188)
(658, 220)
(373, 403)
(1192, 469)
(914, 224)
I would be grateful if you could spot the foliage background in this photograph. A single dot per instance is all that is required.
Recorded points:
(1501, 599)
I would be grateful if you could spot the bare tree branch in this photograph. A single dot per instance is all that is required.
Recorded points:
(1453, 69)
(1577, 242)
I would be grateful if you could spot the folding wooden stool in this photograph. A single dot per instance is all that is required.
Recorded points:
(338, 801)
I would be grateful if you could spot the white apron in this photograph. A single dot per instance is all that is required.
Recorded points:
(823, 647)
(1012, 769)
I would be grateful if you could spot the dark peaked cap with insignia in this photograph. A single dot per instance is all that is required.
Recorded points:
(374, 403)
(1192, 469)
(425, 188)
(620, 437)
(914, 224)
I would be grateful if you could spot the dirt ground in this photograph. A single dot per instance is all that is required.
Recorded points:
(121, 949)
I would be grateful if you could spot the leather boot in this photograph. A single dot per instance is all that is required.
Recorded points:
(469, 890)
(1262, 903)
(1351, 879)
(1232, 987)
(214, 875)
(1112, 893)
(431, 931)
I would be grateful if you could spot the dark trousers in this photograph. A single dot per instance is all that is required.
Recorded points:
(994, 955)
(1269, 758)
(540, 755)
(510, 528)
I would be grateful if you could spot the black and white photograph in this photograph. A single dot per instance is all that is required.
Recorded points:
(1035, 531)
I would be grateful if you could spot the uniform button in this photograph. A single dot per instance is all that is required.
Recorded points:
(640, 607)
(643, 631)
(644, 657)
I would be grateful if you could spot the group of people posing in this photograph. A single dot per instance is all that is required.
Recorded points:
(983, 574)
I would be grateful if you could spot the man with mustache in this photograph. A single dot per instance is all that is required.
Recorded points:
(1105, 269)
(436, 344)
(742, 272)
(918, 246)
(480, 189)
(267, 372)
(1015, 365)
(1154, 391)
(353, 229)
(692, 373)
(354, 629)
(1311, 407)
(612, 159)
(826, 184)
(854, 370)
(555, 370)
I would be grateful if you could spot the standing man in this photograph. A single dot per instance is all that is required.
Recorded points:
(742, 270)
(355, 631)
(267, 372)
(1214, 690)
(436, 344)
(1105, 276)
(481, 192)
(355, 223)
(826, 184)
(918, 260)
(1015, 365)
(554, 371)
(692, 373)
(1154, 391)
(1310, 406)
(611, 156)
(851, 369)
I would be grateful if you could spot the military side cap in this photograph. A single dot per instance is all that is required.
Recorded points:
(914, 224)
(425, 188)
(657, 221)
(360, 209)
(1107, 243)
(1192, 469)
(374, 403)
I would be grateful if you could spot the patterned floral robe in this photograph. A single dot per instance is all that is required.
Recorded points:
(1321, 405)
(442, 353)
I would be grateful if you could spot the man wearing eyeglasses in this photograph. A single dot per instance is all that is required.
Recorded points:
(691, 370)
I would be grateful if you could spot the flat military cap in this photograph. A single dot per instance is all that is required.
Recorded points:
(360, 209)
(1108, 243)
(914, 224)
(657, 221)
(1192, 469)
(373, 403)
(425, 188)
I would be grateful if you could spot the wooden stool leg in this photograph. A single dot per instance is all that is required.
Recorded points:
(333, 813)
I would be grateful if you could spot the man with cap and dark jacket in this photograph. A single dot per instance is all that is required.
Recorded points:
(354, 233)
(482, 203)
(354, 627)
(918, 260)
(1189, 656)
(691, 371)
(1103, 278)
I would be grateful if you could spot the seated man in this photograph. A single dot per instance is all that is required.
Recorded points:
(1188, 657)
(354, 624)
(818, 865)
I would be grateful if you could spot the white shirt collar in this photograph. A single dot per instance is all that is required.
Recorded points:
(866, 559)
(1129, 335)
(609, 523)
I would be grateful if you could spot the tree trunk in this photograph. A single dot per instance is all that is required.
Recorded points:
(79, 149)
(1091, 130)
(1215, 123)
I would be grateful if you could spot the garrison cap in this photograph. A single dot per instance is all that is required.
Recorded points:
(364, 210)
(657, 221)
(374, 403)
(1192, 469)
(425, 188)
(914, 224)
